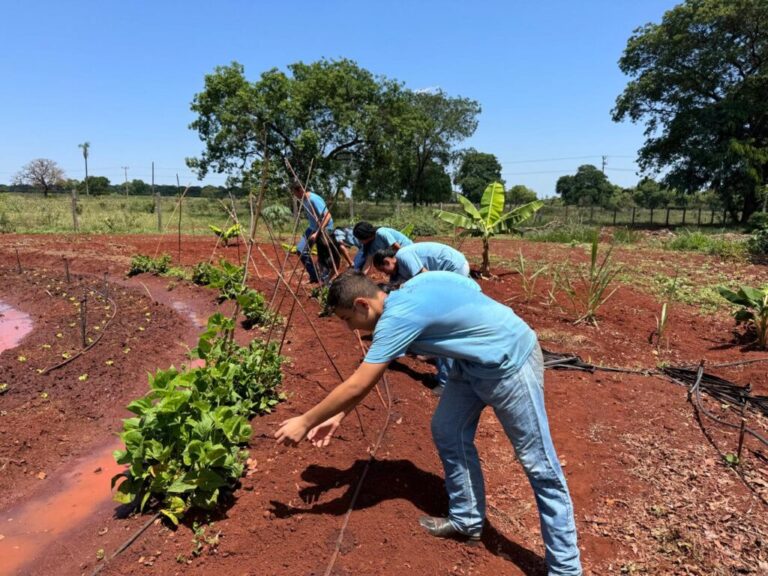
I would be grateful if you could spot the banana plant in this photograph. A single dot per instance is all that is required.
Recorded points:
(489, 219)
(226, 234)
(753, 309)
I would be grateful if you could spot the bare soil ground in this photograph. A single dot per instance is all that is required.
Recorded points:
(651, 490)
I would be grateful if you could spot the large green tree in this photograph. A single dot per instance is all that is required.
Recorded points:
(320, 116)
(650, 194)
(476, 171)
(699, 81)
(520, 194)
(588, 187)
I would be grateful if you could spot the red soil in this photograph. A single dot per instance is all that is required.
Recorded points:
(650, 490)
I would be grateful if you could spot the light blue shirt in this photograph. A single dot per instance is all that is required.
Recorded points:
(445, 314)
(314, 210)
(430, 255)
(384, 238)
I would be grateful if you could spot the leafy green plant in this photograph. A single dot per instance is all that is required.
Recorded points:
(321, 294)
(228, 279)
(588, 291)
(490, 219)
(184, 446)
(226, 234)
(716, 245)
(758, 242)
(661, 326)
(753, 310)
(141, 264)
(201, 273)
(277, 216)
(758, 221)
(254, 307)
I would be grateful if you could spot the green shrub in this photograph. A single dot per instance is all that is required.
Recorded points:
(753, 310)
(141, 264)
(758, 243)
(567, 234)
(716, 245)
(228, 279)
(758, 221)
(254, 307)
(184, 446)
(201, 273)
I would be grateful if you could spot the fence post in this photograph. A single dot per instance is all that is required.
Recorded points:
(591, 214)
(666, 223)
(684, 210)
(698, 218)
(633, 215)
(725, 215)
(651, 216)
(712, 217)
(614, 216)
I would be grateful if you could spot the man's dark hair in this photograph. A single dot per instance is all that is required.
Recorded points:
(364, 230)
(295, 185)
(349, 286)
(378, 258)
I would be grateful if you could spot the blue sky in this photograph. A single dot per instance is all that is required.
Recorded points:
(121, 75)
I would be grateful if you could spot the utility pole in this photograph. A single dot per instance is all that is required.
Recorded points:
(125, 169)
(605, 161)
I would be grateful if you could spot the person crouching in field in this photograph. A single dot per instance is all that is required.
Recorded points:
(375, 238)
(405, 263)
(498, 363)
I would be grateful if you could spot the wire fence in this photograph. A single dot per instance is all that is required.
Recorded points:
(28, 213)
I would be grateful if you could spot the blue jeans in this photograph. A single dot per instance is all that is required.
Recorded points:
(518, 402)
(444, 367)
(304, 249)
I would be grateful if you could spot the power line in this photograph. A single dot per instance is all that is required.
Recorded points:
(565, 158)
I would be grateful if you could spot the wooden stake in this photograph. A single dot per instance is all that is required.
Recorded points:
(66, 269)
(83, 313)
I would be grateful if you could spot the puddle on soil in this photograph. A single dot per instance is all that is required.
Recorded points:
(14, 325)
(31, 527)
(185, 309)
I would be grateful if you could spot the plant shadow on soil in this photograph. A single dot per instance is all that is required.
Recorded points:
(397, 480)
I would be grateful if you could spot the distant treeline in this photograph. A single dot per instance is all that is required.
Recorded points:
(100, 186)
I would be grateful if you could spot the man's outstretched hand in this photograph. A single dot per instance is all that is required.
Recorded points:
(321, 435)
(292, 431)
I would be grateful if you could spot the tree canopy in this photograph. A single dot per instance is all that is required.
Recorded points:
(330, 118)
(698, 82)
(476, 171)
(41, 173)
(520, 194)
(588, 187)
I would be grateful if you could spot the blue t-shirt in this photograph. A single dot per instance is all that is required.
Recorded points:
(384, 238)
(445, 314)
(346, 237)
(430, 255)
(314, 210)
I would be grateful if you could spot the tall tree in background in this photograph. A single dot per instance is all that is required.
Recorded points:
(86, 146)
(588, 187)
(699, 81)
(476, 171)
(650, 194)
(41, 173)
(520, 194)
(320, 115)
(348, 125)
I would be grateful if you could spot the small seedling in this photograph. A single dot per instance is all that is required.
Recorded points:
(83, 377)
(731, 459)
(22, 359)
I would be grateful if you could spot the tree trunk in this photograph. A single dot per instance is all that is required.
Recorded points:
(750, 205)
(485, 269)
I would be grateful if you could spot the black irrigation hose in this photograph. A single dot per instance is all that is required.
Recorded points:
(125, 544)
(107, 298)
